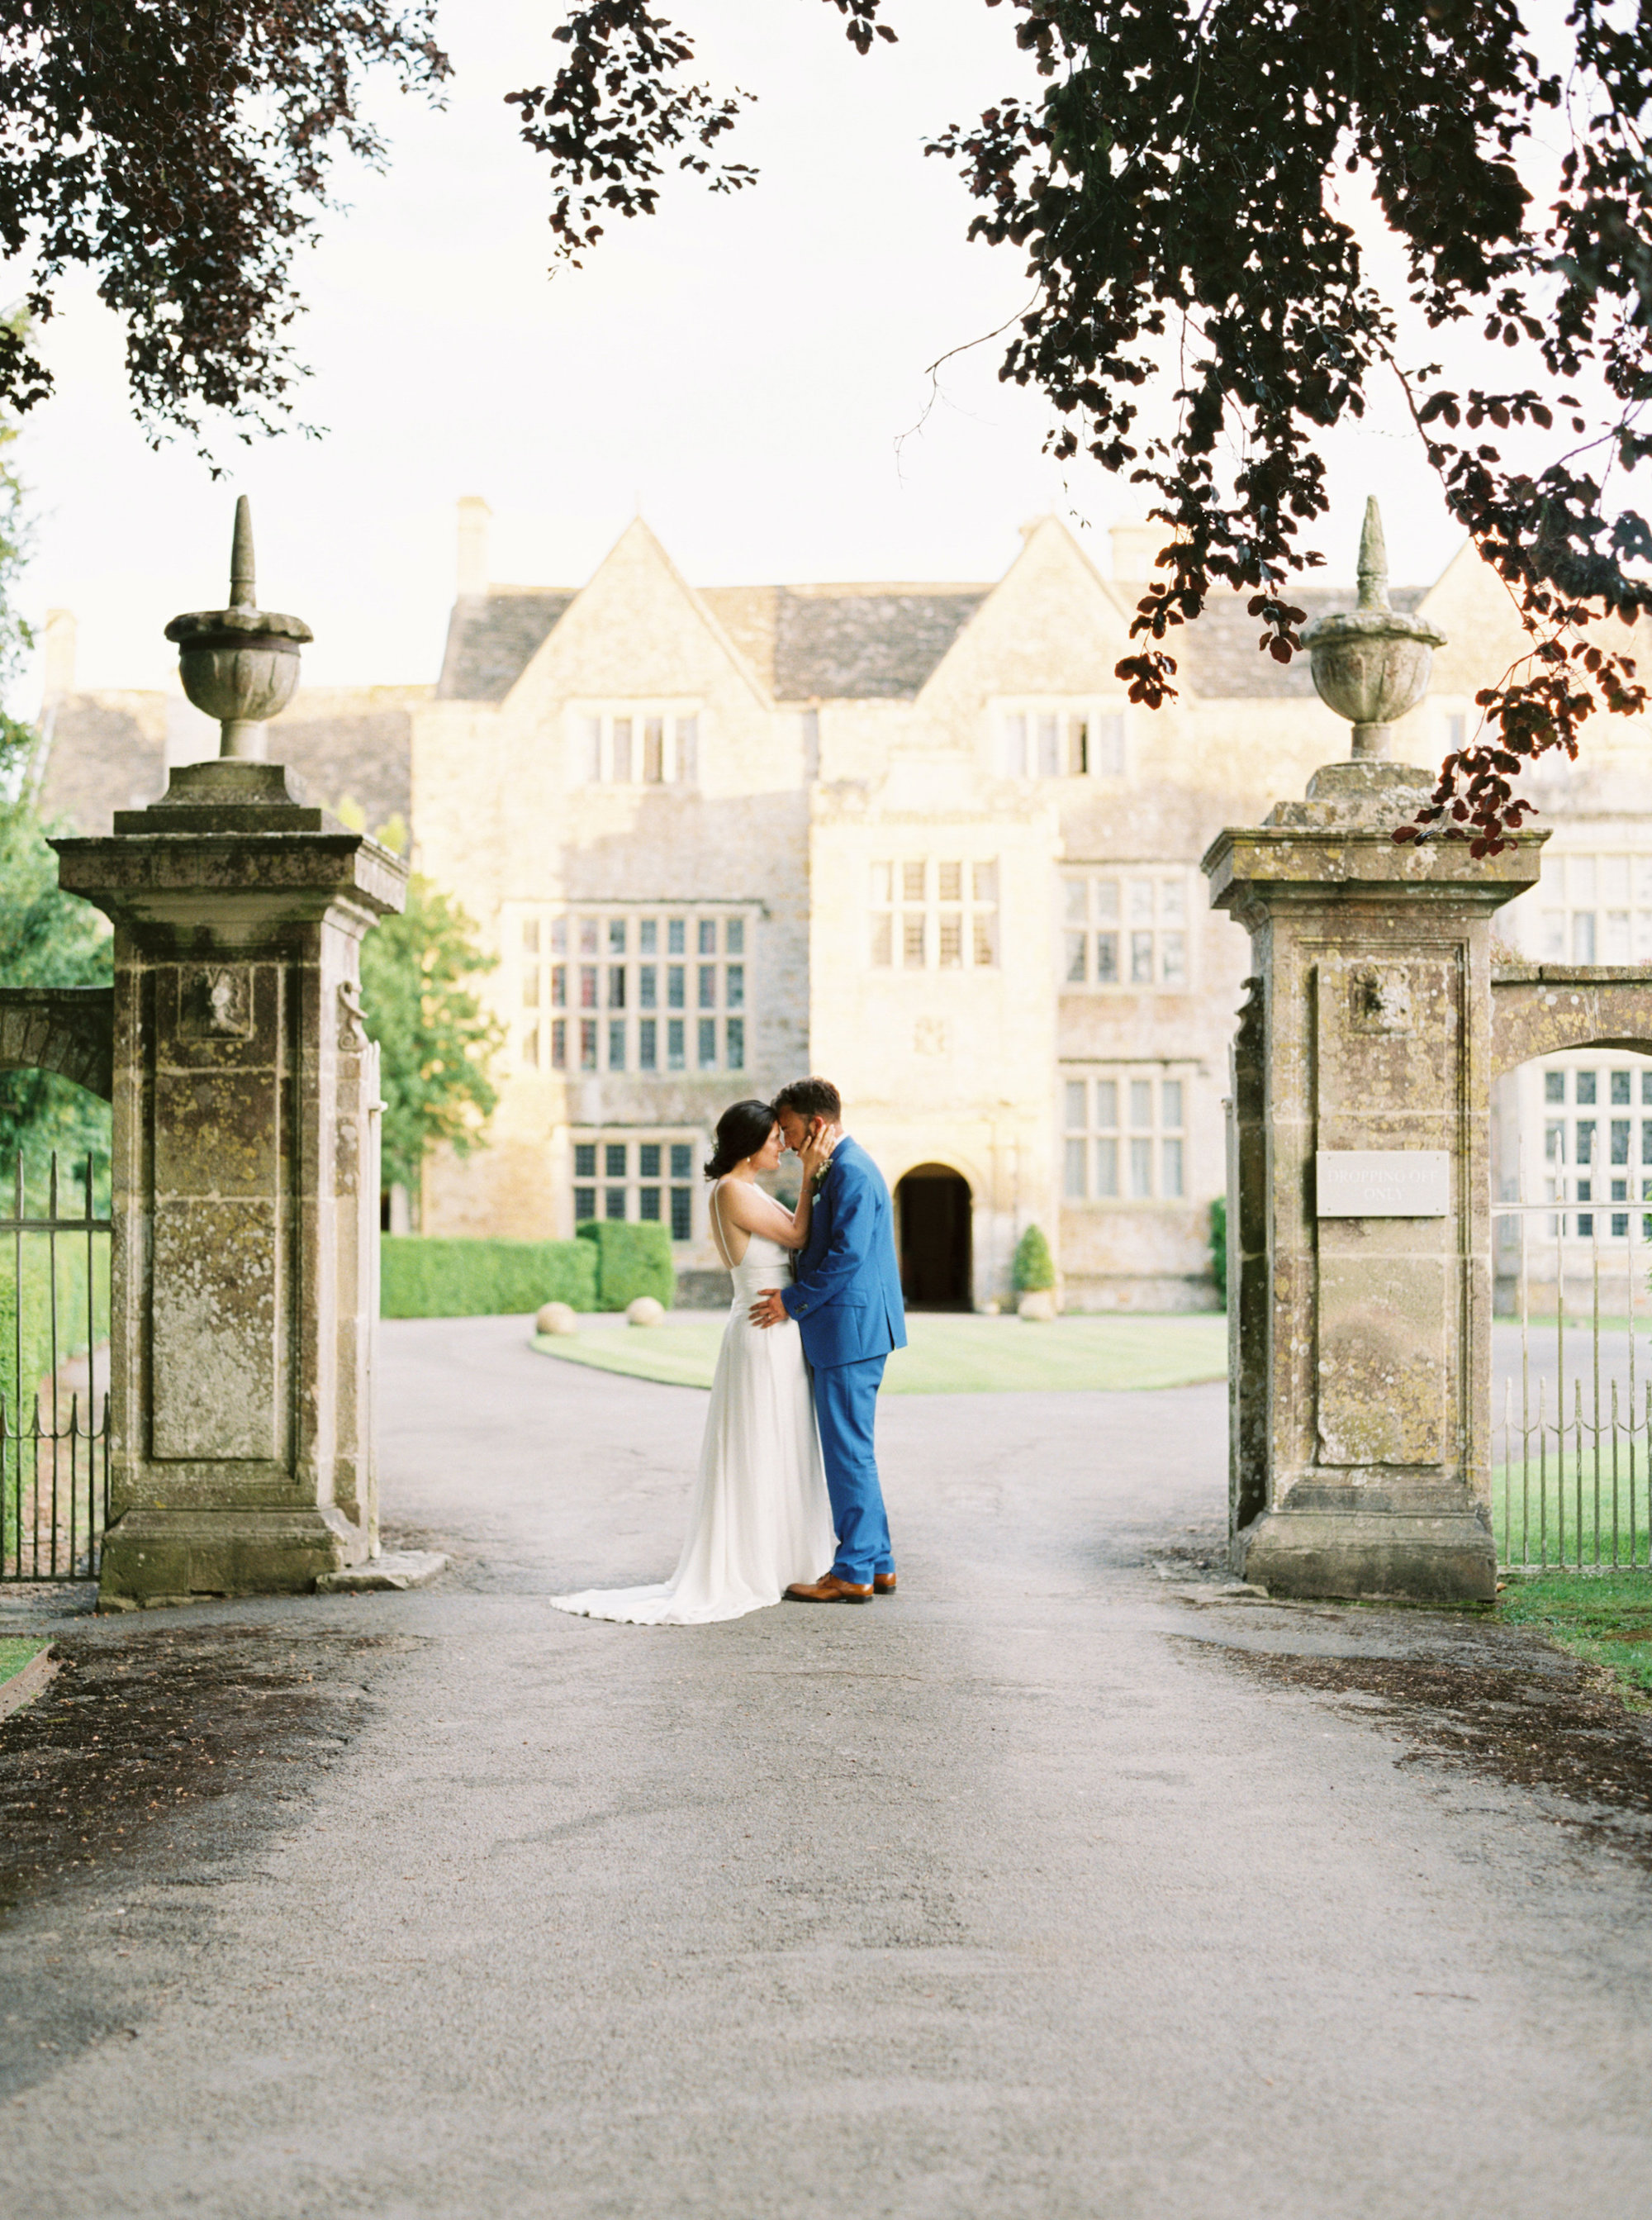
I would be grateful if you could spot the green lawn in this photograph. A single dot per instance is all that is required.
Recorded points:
(947, 1356)
(15, 1655)
(1603, 1617)
(1534, 1512)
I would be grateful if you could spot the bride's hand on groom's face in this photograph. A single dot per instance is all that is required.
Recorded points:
(816, 1152)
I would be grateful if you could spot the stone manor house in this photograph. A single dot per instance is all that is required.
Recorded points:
(914, 837)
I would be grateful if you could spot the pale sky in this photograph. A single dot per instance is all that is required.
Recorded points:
(742, 368)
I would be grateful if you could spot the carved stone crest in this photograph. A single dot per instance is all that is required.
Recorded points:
(215, 1002)
(353, 1032)
(1380, 999)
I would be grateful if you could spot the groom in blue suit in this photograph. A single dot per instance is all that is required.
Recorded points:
(846, 1300)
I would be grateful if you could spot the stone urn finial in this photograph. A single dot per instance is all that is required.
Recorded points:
(239, 664)
(1371, 665)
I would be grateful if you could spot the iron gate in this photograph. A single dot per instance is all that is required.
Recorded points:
(53, 1426)
(1572, 1370)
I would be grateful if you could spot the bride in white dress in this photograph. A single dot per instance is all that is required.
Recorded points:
(760, 1518)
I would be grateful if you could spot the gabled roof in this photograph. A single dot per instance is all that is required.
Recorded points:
(493, 636)
(107, 750)
(1218, 658)
(843, 643)
(803, 643)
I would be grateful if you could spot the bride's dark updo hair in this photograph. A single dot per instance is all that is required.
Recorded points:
(741, 1131)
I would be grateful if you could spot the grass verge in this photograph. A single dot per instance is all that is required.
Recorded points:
(1604, 1618)
(950, 1355)
(13, 1655)
(1539, 1513)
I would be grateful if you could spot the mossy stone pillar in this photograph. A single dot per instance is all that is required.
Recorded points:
(240, 1414)
(244, 1197)
(1360, 1272)
(1359, 1213)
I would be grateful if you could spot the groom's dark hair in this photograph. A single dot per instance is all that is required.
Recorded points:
(810, 1098)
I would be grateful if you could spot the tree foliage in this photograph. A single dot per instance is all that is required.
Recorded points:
(435, 1039)
(1173, 182)
(1174, 186)
(181, 153)
(47, 938)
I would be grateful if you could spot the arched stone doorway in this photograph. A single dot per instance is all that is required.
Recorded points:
(933, 1208)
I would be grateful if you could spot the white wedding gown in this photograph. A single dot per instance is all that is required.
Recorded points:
(760, 1518)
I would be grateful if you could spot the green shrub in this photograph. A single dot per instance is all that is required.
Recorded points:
(631, 1261)
(420, 1278)
(1035, 1268)
(1219, 1246)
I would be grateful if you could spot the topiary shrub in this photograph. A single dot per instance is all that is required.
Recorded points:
(1035, 1268)
(1219, 1247)
(631, 1260)
(420, 1278)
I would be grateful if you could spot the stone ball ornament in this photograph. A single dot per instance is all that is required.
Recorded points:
(239, 664)
(1372, 663)
(556, 1318)
(644, 1310)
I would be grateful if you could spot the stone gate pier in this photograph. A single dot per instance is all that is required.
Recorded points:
(1360, 1256)
(245, 1173)
(1359, 1280)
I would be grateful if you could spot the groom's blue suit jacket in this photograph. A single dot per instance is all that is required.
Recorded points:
(846, 1297)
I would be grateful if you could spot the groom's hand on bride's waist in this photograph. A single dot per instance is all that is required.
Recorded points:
(768, 1309)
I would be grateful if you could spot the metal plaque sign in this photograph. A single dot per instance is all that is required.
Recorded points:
(1383, 1182)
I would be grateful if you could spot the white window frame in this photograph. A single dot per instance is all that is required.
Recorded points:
(930, 912)
(1571, 1145)
(1593, 904)
(609, 744)
(1113, 1157)
(1132, 931)
(1055, 736)
(556, 953)
(672, 1191)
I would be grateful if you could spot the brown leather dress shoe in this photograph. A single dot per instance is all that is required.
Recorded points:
(827, 1589)
(884, 1584)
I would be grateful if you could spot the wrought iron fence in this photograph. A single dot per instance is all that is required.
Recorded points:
(53, 1426)
(1572, 1386)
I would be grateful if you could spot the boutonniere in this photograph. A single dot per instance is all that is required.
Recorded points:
(819, 1180)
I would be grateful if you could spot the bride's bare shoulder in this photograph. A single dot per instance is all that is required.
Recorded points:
(734, 1201)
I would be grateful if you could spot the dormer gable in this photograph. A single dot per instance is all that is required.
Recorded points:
(1052, 624)
(636, 628)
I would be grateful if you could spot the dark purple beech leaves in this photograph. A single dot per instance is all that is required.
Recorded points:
(181, 152)
(1172, 186)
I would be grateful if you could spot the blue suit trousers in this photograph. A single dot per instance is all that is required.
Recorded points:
(845, 1404)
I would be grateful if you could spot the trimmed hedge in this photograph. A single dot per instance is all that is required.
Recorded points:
(420, 1278)
(631, 1260)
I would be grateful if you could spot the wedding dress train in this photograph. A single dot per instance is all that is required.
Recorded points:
(759, 1518)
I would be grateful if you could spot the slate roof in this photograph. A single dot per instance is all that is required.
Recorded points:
(1218, 657)
(836, 643)
(493, 636)
(100, 758)
(845, 643)
(108, 752)
(869, 643)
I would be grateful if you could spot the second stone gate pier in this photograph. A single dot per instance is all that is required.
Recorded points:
(1361, 1271)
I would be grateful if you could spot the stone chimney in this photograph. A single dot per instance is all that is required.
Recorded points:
(60, 644)
(1136, 547)
(473, 514)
